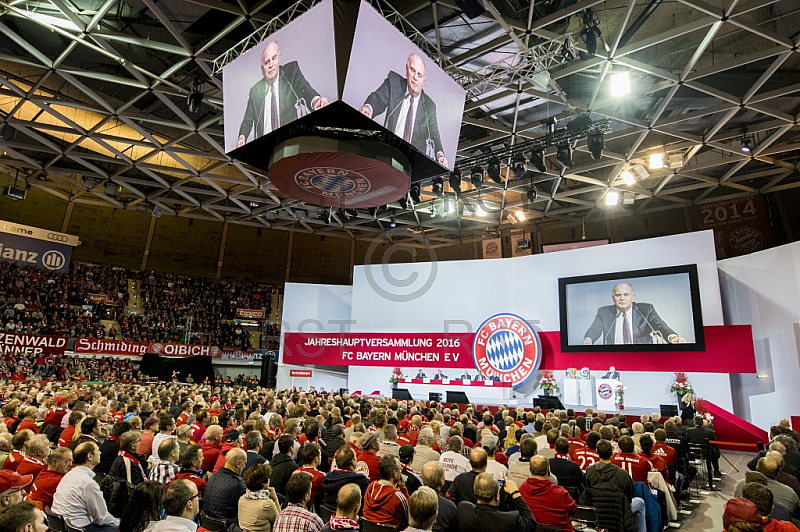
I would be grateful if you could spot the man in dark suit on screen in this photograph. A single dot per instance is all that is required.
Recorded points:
(410, 113)
(281, 97)
(626, 322)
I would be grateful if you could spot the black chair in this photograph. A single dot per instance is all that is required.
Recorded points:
(369, 526)
(700, 452)
(73, 528)
(586, 515)
(55, 522)
(214, 524)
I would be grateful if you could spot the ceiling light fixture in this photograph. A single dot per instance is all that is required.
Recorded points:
(415, 192)
(476, 176)
(590, 32)
(656, 161)
(493, 170)
(746, 148)
(537, 160)
(620, 84)
(455, 182)
(627, 177)
(438, 183)
(518, 165)
(194, 98)
(612, 197)
(564, 154)
(596, 144)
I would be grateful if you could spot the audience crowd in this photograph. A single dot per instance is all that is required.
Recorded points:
(162, 457)
(177, 308)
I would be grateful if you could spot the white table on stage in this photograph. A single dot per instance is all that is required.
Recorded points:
(571, 392)
(606, 393)
(480, 390)
(586, 391)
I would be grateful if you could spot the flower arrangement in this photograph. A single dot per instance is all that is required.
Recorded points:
(620, 395)
(701, 407)
(548, 381)
(681, 384)
(397, 374)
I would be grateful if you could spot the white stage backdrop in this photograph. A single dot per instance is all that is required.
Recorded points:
(457, 296)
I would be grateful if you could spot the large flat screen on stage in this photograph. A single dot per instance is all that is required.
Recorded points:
(388, 76)
(643, 310)
(289, 74)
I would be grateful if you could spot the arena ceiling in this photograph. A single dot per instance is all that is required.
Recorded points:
(93, 99)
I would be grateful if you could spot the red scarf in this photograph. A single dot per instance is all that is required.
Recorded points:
(338, 523)
(113, 438)
(133, 460)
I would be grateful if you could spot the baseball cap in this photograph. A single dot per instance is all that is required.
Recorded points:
(149, 422)
(232, 435)
(12, 479)
(369, 439)
(183, 429)
(741, 510)
(406, 452)
(61, 400)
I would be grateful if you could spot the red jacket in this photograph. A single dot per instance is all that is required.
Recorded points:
(551, 505)
(221, 458)
(191, 476)
(27, 424)
(31, 466)
(44, 487)
(13, 460)
(210, 455)
(371, 459)
(386, 504)
(66, 436)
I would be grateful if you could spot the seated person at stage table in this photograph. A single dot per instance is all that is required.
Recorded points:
(466, 376)
(439, 375)
(612, 373)
(420, 375)
(626, 322)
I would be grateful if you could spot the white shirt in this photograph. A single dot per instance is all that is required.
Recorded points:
(618, 327)
(400, 126)
(454, 464)
(158, 439)
(79, 500)
(496, 469)
(172, 524)
(268, 104)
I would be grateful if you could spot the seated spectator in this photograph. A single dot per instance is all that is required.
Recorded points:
(551, 505)
(486, 515)
(23, 517)
(343, 475)
(254, 442)
(233, 440)
(422, 510)
(166, 427)
(109, 449)
(494, 468)
(128, 458)
(348, 504)
(781, 493)
(635, 465)
(225, 487)
(763, 499)
(423, 452)
(36, 451)
(587, 456)
(433, 476)
(78, 497)
(181, 504)
(310, 456)
(462, 488)
(28, 420)
(15, 457)
(165, 467)
(190, 461)
(90, 430)
(65, 438)
(282, 464)
(5, 447)
(406, 456)
(12, 488)
(453, 461)
(295, 517)
(259, 506)
(143, 508)
(569, 474)
(150, 427)
(386, 499)
(370, 445)
(741, 515)
(59, 462)
(212, 447)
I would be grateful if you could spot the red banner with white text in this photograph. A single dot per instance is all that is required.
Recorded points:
(31, 344)
(104, 347)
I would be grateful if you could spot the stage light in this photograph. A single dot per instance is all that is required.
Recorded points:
(352, 214)
(746, 145)
(194, 98)
(532, 194)
(564, 154)
(656, 161)
(403, 202)
(89, 183)
(476, 176)
(520, 216)
(518, 165)
(590, 32)
(112, 189)
(612, 197)
(620, 84)
(537, 160)
(566, 53)
(325, 215)
(493, 170)
(627, 177)
(455, 181)
(392, 222)
(415, 192)
(596, 144)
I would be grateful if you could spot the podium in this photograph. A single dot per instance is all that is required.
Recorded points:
(571, 392)
(586, 391)
(606, 394)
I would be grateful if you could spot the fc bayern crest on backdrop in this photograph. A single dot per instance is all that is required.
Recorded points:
(506, 346)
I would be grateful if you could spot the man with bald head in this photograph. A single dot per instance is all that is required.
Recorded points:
(348, 503)
(409, 112)
(281, 96)
(626, 322)
(225, 487)
(783, 494)
(433, 476)
(463, 486)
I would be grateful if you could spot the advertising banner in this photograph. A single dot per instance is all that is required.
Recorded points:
(103, 299)
(251, 314)
(305, 373)
(25, 250)
(251, 355)
(740, 225)
(97, 346)
(492, 248)
(124, 348)
(31, 344)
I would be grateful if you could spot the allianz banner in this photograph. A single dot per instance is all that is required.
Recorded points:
(32, 246)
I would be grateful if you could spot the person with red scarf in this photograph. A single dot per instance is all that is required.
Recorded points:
(348, 504)
(44, 487)
(128, 444)
(15, 457)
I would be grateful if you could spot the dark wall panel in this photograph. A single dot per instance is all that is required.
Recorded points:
(38, 209)
(185, 246)
(318, 259)
(126, 239)
(259, 255)
(92, 224)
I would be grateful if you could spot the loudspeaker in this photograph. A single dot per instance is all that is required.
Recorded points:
(548, 402)
(457, 397)
(402, 394)
(269, 372)
(435, 396)
(668, 410)
(158, 211)
(471, 8)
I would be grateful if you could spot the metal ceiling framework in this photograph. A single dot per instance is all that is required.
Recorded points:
(97, 89)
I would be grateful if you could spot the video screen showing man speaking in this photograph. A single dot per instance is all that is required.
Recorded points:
(628, 310)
